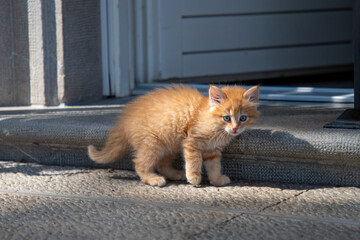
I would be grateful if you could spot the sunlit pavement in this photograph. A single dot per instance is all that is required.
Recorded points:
(51, 202)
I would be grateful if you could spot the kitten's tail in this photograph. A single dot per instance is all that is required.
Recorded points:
(115, 147)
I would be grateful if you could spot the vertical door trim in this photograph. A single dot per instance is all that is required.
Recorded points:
(118, 59)
(171, 59)
(147, 48)
(105, 48)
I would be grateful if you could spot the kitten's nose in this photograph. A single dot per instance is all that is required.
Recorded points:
(234, 129)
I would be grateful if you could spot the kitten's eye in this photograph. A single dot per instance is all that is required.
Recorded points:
(226, 118)
(243, 118)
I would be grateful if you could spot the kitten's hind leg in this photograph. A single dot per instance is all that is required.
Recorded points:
(166, 169)
(145, 162)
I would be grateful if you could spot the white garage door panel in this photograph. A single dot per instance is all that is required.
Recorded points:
(251, 31)
(218, 37)
(265, 60)
(217, 7)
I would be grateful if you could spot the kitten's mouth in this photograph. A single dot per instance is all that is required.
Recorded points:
(233, 133)
(236, 132)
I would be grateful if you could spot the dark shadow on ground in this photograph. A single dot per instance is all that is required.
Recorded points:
(42, 170)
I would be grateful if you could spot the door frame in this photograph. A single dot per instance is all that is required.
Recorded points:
(117, 36)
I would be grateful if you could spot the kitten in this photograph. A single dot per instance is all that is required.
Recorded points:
(163, 123)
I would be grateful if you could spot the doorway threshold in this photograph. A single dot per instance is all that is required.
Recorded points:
(279, 95)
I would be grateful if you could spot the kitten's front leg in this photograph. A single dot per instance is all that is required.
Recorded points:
(193, 161)
(213, 168)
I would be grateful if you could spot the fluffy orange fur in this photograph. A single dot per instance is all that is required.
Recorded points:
(161, 124)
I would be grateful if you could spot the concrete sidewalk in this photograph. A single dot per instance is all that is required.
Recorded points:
(52, 202)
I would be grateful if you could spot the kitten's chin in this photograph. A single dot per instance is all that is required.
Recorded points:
(234, 134)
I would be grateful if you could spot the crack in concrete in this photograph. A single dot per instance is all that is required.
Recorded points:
(234, 213)
(260, 212)
(217, 225)
(283, 200)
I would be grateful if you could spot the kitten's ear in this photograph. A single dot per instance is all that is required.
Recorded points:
(216, 95)
(252, 94)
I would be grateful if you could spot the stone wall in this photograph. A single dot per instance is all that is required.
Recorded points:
(82, 50)
(14, 53)
(50, 52)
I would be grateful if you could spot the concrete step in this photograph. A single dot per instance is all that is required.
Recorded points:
(288, 144)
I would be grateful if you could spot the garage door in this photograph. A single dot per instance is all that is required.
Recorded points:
(207, 38)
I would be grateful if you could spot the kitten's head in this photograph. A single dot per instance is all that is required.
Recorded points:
(233, 108)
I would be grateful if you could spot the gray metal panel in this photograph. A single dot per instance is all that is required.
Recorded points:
(266, 59)
(171, 58)
(252, 36)
(265, 30)
(216, 7)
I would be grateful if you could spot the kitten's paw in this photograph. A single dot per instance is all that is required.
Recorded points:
(221, 181)
(194, 179)
(156, 181)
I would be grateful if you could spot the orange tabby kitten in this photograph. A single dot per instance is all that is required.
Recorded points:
(163, 123)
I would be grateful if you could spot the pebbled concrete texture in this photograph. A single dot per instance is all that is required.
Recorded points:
(259, 227)
(53, 202)
(327, 202)
(288, 144)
